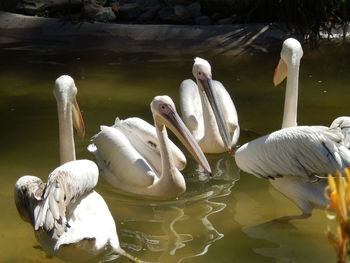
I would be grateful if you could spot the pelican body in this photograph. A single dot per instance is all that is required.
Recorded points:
(138, 158)
(296, 158)
(70, 220)
(208, 110)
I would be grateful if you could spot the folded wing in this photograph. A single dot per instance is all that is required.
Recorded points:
(305, 151)
(66, 185)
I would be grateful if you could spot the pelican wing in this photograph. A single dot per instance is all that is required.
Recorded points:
(66, 184)
(228, 109)
(143, 138)
(304, 151)
(91, 221)
(343, 125)
(191, 108)
(121, 164)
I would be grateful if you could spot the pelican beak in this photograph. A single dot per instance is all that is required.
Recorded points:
(172, 120)
(78, 121)
(280, 72)
(206, 82)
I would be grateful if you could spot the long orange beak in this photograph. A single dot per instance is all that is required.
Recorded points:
(78, 121)
(280, 72)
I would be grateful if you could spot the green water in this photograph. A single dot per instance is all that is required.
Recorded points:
(215, 220)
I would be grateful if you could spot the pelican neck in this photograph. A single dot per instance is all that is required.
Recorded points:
(66, 138)
(291, 97)
(171, 181)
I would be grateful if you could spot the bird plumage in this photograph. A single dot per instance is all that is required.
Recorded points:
(208, 110)
(296, 159)
(137, 157)
(65, 186)
(66, 210)
(70, 220)
(307, 152)
(343, 125)
(131, 141)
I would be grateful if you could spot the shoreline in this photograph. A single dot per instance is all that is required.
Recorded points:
(133, 38)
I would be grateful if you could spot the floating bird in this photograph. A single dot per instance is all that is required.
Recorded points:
(295, 158)
(70, 220)
(208, 110)
(138, 158)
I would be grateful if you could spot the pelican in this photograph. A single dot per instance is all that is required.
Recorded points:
(70, 220)
(138, 158)
(296, 158)
(208, 110)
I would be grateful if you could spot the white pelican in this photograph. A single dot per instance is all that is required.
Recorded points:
(295, 157)
(208, 110)
(70, 220)
(135, 158)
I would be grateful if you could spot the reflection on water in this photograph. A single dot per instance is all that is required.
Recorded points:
(173, 240)
(217, 219)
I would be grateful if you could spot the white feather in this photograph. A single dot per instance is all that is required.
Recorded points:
(297, 158)
(70, 220)
(131, 145)
(343, 124)
(143, 138)
(303, 151)
(139, 158)
(198, 114)
(119, 156)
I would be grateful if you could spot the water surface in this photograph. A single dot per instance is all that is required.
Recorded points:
(216, 219)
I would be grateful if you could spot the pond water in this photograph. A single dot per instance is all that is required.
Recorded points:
(217, 219)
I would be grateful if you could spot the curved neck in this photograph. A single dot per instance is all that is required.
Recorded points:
(165, 150)
(67, 148)
(171, 181)
(291, 97)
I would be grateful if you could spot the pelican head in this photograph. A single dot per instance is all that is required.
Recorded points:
(202, 72)
(28, 189)
(291, 55)
(164, 114)
(65, 93)
(201, 69)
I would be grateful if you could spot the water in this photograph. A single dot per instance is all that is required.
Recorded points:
(217, 219)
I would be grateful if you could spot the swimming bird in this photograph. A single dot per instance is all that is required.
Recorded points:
(138, 158)
(208, 110)
(295, 158)
(70, 220)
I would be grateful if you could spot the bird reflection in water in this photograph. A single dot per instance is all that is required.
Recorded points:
(224, 170)
(177, 229)
(294, 241)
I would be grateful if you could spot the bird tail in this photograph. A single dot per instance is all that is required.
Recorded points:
(117, 122)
